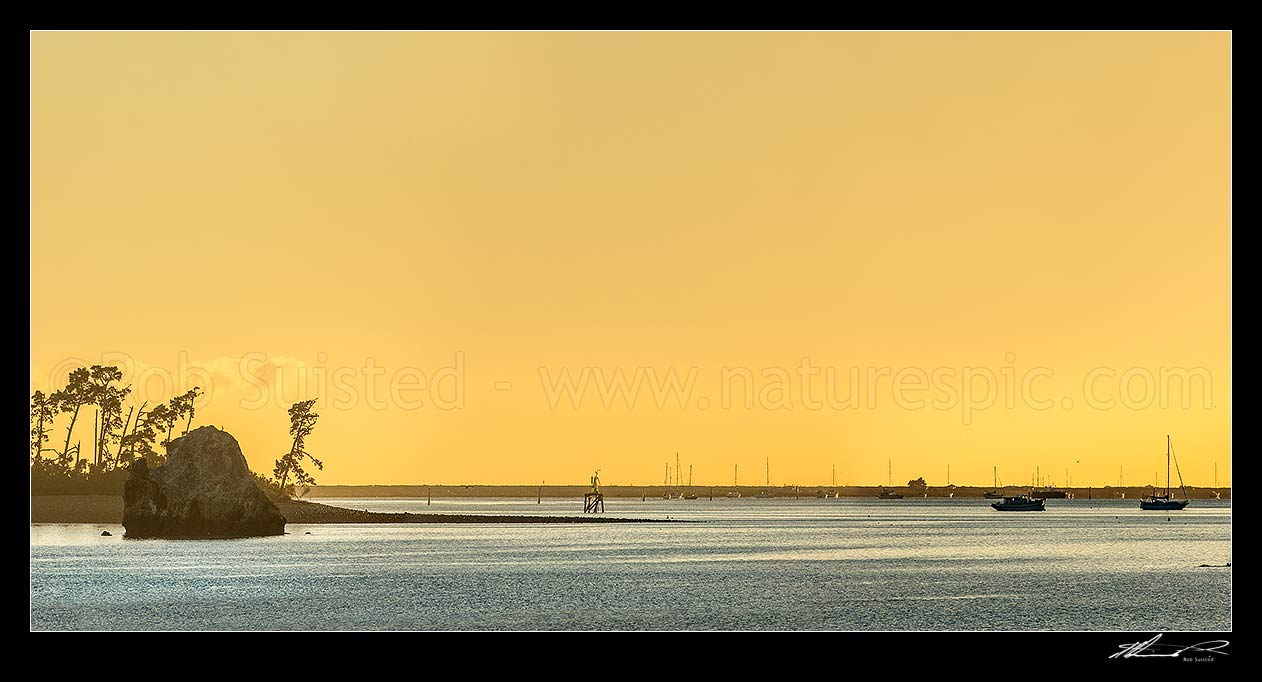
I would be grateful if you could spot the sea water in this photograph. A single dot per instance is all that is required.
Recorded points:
(743, 564)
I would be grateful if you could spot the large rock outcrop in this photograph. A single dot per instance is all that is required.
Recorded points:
(204, 490)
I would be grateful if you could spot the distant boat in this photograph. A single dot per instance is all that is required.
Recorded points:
(1019, 503)
(831, 491)
(994, 494)
(765, 494)
(1053, 493)
(887, 494)
(1165, 502)
(689, 496)
(1161, 503)
(733, 493)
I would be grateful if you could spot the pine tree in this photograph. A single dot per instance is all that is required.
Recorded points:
(43, 411)
(79, 391)
(301, 422)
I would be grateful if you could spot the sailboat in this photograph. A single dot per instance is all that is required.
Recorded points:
(689, 495)
(1166, 502)
(885, 493)
(995, 493)
(766, 494)
(832, 492)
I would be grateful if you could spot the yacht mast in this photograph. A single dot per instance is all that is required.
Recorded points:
(1182, 486)
(1167, 465)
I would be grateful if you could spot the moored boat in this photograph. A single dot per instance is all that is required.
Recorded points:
(1155, 502)
(1161, 503)
(994, 494)
(1019, 503)
(765, 493)
(886, 493)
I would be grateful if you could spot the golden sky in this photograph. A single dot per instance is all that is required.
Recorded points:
(474, 209)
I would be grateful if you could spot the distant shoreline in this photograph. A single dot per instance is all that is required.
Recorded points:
(705, 491)
(109, 509)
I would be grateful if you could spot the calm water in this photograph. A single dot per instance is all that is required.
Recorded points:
(850, 564)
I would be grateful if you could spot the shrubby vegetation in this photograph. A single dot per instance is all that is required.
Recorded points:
(270, 488)
(118, 440)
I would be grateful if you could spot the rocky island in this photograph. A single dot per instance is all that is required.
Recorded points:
(204, 489)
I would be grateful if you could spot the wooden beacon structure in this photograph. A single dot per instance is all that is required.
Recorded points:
(594, 499)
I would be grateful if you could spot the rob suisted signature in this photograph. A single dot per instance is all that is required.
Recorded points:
(1151, 649)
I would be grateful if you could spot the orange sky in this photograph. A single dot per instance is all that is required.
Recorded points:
(919, 206)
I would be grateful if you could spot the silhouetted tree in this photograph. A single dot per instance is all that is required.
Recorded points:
(191, 398)
(140, 440)
(43, 411)
(149, 425)
(78, 392)
(182, 405)
(163, 418)
(109, 400)
(301, 422)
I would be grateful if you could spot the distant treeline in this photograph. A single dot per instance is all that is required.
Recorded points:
(117, 440)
